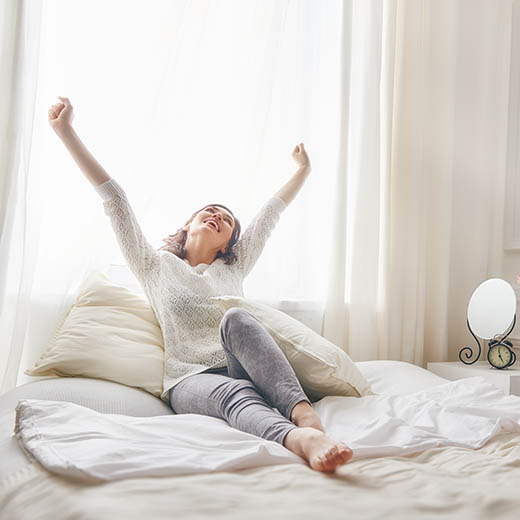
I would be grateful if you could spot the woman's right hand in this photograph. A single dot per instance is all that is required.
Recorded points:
(61, 115)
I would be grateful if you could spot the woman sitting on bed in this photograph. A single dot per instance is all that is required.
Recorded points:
(225, 366)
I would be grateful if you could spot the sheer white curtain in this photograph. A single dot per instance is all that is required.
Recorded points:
(402, 107)
(420, 187)
(184, 103)
(20, 24)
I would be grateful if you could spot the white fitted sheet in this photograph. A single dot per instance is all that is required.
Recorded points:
(80, 443)
(390, 377)
(438, 482)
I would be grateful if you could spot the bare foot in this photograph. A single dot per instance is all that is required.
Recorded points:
(321, 452)
(304, 416)
(310, 420)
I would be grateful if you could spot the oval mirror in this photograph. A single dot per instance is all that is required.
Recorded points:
(492, 308)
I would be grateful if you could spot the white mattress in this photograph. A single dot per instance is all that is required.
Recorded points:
(444, 482)
(97, 394)
(391, 377)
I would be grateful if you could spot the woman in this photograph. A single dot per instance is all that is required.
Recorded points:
(223, 366)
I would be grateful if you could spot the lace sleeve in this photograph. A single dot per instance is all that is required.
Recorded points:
(140, 256)
(251, 244)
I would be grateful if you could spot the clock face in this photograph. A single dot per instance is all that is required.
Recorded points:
(499, 356)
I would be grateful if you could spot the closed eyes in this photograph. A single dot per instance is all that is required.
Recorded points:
(226, 217)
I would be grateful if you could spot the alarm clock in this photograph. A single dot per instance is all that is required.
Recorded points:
(500, 355)
(491, 310)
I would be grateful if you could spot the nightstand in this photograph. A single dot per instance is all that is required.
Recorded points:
(507, 379)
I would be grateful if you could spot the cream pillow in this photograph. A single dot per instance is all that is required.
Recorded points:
(108, 333)
(322, 368)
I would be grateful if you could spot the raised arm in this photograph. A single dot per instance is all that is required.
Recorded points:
(141, 257)
(289, 190)
(253, 240)
(60, 119)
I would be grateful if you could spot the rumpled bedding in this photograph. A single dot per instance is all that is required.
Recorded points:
(84, 445)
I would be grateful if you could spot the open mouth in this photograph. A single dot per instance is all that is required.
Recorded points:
(212, 224)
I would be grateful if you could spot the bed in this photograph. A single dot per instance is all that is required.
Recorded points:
(440, 482)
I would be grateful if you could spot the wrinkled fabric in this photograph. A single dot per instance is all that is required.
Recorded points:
(80, 443)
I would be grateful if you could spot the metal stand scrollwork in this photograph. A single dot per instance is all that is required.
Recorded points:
(492, 343)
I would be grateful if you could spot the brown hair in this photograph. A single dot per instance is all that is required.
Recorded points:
(175, 243)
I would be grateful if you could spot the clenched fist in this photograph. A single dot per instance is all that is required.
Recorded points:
(61, 115)
(300, 156)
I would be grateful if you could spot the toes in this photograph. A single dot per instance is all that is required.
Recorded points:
(331, 464)
(329, 460)
(326, 465)
(334, 455)
(323, 462)
(345, 453)
(338, 455)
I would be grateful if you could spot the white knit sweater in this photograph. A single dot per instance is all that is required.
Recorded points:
(179, 293)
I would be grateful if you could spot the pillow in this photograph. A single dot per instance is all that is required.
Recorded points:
(391, 377)
(108, 333)
(322, 368)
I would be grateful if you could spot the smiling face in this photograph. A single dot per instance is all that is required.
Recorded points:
(217, 215)
(215, 223)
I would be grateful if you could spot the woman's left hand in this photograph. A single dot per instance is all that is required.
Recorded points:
(300, 156)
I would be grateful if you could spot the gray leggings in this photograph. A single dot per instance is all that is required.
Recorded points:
(257, 379)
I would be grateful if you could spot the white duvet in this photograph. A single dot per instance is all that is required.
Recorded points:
(83, 444)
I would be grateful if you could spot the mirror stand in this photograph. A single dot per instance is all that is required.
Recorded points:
(492, 343)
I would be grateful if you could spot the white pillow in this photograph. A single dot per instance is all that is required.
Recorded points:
(108, 333)
(391, 377)
(322, 368)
